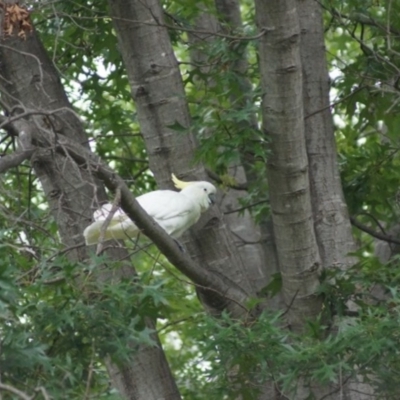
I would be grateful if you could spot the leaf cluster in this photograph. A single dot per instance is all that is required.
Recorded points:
(363, 344)
(58, 324)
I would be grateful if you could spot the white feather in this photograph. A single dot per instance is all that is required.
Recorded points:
(175, 212)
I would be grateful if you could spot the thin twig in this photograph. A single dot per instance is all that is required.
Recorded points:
(196, 285)
(202, 277)
(39, 64)
(29, 112)
(11, 389)
(114, 208)
(172, 323)
(373, 233)
(335, 103)
(43, 391)
(237, 186)
(179, 28)
(245, 207)
(291, 303)
(90, 374)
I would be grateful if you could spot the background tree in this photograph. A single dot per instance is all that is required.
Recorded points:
(291, 300)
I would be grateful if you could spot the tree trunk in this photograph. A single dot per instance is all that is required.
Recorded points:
(231, 19)
(247, 236)
(309, 215)
(331, 219)
(30, 82)
(332, 224)
(159, 95)
(287, 165)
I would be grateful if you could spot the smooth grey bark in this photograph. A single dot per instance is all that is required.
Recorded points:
(30, 83)
(156, 87)
(229, 293)
(255, 243)
(158, 92)
(259, 257)
(229, 13)
(294, 143)
(135, 379)
(247, 236)
(287, 166)
(331, 218)
(230, 17)
(385, 250)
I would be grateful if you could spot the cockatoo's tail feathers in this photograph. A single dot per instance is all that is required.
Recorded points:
(92, 233)
(174, 211)
(180, 184)
(102, 213)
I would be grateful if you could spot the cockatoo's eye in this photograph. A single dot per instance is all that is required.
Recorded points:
(205, 189)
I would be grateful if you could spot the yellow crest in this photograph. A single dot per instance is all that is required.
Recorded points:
(178, 183)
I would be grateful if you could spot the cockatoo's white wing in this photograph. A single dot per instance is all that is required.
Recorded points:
(102, 213)
(115, 230)
(172, 211)
(119, 227)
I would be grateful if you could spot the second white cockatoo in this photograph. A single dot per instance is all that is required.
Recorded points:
(175, 212)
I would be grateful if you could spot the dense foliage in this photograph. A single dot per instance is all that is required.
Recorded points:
(54, 338)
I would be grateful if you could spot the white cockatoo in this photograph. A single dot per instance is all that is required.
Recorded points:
(175, 212)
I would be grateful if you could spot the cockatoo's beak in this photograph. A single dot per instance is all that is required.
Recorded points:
(212, 198)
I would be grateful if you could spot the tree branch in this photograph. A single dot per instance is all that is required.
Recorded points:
(199, 275)
(28, 112)
(11, 389)
(246, 207)
(361, 18)
(373, 233)
(26, 149)
(215, 177)
(178, 28)
(115, 206)
(13, 160)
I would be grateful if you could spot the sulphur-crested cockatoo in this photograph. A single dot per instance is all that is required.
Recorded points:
(175, 212)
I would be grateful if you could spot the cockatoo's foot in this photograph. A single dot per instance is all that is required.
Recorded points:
(181, 248)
